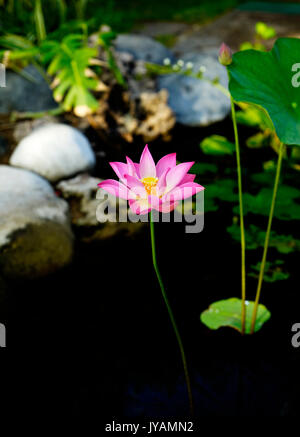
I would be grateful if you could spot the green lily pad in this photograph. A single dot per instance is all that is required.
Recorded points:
(228, 313)
(217, 145)
(268, 79)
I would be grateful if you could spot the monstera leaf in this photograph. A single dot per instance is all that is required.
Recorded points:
(272, 81)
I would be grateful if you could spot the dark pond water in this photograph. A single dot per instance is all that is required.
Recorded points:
(95, 339)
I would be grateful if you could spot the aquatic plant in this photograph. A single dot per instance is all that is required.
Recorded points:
(148, 186)
(278, 94)
(159, 187)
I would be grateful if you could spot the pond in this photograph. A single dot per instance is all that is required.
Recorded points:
(82, 309)
(100, 332)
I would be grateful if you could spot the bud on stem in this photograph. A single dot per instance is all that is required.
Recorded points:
(225, 55)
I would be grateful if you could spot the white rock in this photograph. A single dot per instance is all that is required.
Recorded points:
(35, 233)
(55, 151)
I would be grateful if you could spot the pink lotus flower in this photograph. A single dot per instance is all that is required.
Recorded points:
(148, 186)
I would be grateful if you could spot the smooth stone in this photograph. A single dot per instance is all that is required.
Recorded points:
(196, 102)
(23, 95)
(35, 233)
(55, 151)
(143, 48)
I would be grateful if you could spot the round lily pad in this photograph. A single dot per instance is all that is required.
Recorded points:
(228, 313)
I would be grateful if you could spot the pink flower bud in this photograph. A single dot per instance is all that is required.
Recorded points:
(225, 54)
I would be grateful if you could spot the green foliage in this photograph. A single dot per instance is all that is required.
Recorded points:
(265, 79)
(221, 190)
(121, 15)
(254, 116)
(105, 40)
(255, 238)
(263, 32)
(217, 145)
(39, 21)
(74, 27)
(17, 50)
(68, 62)
(80, 7)
(294, 160)
(273, 271)
(167, 39)
(258, 140)
(227, 313)
(287, 206)
(201, 168)
(266, 177)
(127, 13)
(69, 59)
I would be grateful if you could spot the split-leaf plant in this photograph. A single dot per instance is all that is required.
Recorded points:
(65, 55)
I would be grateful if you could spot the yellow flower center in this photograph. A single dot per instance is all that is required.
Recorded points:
(150, 185)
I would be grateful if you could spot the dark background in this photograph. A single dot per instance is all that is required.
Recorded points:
(94, 341)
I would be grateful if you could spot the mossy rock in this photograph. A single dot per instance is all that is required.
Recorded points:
(35, 232)
(37, 250)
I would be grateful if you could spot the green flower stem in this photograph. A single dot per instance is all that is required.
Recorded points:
(178, 337)
(267, 238)
(243, 245)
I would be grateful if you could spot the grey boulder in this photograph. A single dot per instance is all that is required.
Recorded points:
(35, 233)
(197, 102)
(26, 93)
(143, 48)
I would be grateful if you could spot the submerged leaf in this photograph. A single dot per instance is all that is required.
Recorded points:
(273, 271)
(287, 206)
(201, 168)
(228, 313)
(253, 115)
(255, 238)
(223, 190)
(257, 141)
(217, 145)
